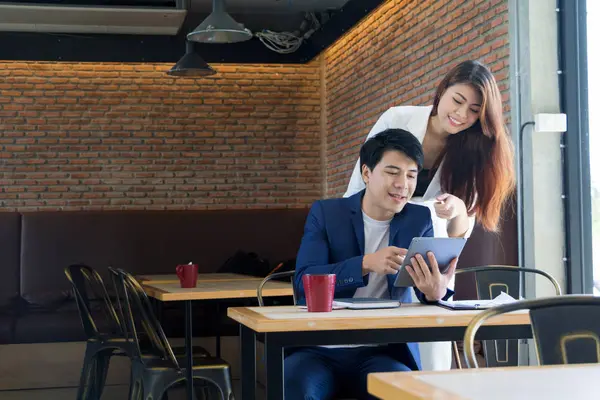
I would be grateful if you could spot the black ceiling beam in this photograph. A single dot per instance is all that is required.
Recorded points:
(25, 46)
(30, 46)
(339, 23)
(97, 3)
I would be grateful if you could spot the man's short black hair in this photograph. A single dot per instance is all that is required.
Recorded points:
(400, 140)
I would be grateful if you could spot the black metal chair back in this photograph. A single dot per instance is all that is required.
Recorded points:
(139, 319)
(102, 326)
(566, 329)
(97, 312)
(490, 281)
(275, 275)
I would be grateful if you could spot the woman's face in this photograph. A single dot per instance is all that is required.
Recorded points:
(459, 108)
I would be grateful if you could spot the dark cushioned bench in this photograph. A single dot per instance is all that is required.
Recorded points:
(150, 242)
(10, 240)
(35, 301)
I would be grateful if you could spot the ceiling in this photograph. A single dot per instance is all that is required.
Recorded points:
(154, 30)
(256, 15)
(270, 6)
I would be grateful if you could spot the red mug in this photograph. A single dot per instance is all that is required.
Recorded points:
(319, 291)
(188, 275)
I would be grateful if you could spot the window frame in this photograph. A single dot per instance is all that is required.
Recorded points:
(576, 145)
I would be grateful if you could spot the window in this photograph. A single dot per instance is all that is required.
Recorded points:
(593, 64)
(581, 141)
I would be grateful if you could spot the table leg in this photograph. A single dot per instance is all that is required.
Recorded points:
(218, 333)
(274, 368)
(189, 359)
(248, 350)
(158, 307)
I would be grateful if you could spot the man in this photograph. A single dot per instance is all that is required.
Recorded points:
(363, 240)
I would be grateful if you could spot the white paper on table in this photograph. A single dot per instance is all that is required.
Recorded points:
(502, 298)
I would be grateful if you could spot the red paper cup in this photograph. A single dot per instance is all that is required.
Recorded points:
(319, 291)
(188, 275)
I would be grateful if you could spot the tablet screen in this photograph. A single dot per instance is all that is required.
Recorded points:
(444, 249)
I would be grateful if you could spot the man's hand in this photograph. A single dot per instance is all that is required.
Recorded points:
(385, 261)
(432, 283)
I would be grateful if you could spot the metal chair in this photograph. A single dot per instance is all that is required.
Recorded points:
(120, 301)
(275, 275)
(490, 281)
(566, 329)
(104, 329)
(101, 325)
(152, 377)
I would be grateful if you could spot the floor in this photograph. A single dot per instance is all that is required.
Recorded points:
(112, 392)
(50, 371)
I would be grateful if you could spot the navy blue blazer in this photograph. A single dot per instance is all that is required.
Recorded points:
(334, 243)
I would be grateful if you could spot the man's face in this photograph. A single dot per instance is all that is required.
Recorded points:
(390, 185)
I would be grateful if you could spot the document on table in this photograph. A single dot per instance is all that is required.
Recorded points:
(502, 298)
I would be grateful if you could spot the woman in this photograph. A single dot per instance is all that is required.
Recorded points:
(468, 171)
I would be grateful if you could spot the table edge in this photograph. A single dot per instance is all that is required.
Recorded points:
(165, 296)
(261, 324)
(404, 380)
(408, 388)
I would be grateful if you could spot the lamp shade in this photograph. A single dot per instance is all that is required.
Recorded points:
(191, 65)
(219, 27)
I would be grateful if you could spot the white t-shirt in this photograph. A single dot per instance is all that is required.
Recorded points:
(377, 236)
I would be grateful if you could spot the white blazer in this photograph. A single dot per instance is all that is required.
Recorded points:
(414, 119)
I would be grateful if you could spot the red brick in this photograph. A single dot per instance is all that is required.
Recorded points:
(105, 136)
(396, 56)
(109, 136)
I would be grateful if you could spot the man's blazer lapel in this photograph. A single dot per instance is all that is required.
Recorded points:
(357, 220)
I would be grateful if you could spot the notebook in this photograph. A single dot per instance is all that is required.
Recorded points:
(360, 304)
(364, 303)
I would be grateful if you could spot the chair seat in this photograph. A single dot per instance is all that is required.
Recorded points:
(197, 351)
(158, 376)
(199, 363)
(122, 343)
(177, 350)
(116, 339)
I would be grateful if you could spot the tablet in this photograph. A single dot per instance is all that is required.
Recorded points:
(444, 249)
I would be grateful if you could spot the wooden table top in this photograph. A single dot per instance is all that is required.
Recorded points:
(172, 278)
(213, 290)
(292, 318)
(515, 383)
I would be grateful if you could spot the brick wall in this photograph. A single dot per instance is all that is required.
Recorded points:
(112, 136)
(397, 56)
